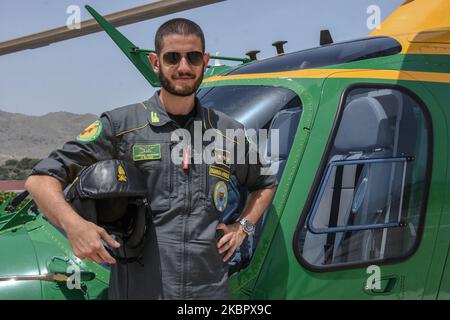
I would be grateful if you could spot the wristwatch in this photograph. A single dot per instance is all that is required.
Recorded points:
(247, 226)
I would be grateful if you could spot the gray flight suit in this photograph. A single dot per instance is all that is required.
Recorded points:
(180, 259)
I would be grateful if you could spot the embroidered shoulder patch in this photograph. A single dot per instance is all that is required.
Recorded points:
(146, 152)
(91, 133)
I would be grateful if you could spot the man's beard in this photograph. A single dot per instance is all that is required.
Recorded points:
(185, 92)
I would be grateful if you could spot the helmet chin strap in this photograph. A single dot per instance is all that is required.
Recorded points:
(140, 224)
(122, 256)
(135, 239)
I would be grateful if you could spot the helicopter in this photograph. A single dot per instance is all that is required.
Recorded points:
(361, 208)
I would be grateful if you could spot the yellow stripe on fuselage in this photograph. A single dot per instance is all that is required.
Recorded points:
(396, 75)
(341, 74)
(305, 73)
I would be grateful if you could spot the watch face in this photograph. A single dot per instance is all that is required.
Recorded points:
(248, 226)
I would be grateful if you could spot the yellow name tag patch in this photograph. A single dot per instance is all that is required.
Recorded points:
(219, 173)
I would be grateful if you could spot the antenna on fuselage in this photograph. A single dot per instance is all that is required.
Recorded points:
(252, 54)
(325, 37)
(279, 45)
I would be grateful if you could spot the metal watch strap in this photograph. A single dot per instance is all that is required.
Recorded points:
(243, 222)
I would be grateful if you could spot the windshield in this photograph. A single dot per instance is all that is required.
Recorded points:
(325, 56)
(253, 106)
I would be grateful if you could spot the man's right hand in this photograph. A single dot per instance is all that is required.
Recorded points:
(86, 240)
(85, 237)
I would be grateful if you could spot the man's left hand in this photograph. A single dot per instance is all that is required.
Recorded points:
(232, 238)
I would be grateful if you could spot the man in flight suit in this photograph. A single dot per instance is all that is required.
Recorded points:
(182, 258)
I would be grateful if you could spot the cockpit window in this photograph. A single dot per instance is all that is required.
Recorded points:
(253, 106)
(256, 107)
(325, 56)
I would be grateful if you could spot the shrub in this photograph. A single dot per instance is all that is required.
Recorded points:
(6, 195)
(11, 162)
(26, 163)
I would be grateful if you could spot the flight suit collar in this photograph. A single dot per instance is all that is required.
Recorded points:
(158, 116)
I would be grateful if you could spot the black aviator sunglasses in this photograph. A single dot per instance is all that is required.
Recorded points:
(195, 58)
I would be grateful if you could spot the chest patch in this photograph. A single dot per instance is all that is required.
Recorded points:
(221, 173)
(220, 196)
(146, 152)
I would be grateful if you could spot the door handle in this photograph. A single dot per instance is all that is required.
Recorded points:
(60, 265)
(385, 286)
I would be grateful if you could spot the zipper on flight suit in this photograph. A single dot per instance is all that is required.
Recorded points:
(183, 262)
(189, 206)
(188, 210)
(171, 168)
(185, 239)
(186, 217)
(191, 151)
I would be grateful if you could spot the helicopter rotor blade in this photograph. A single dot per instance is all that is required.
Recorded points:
(121, 18)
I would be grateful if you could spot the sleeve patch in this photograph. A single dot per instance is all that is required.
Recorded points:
(91, 133)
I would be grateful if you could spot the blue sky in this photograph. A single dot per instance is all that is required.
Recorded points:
(91, 75)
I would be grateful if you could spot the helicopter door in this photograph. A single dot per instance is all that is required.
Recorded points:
(365, 223)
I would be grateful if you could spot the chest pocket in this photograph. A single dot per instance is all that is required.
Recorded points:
(153, 157)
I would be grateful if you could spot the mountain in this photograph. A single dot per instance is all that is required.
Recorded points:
(36, 136)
